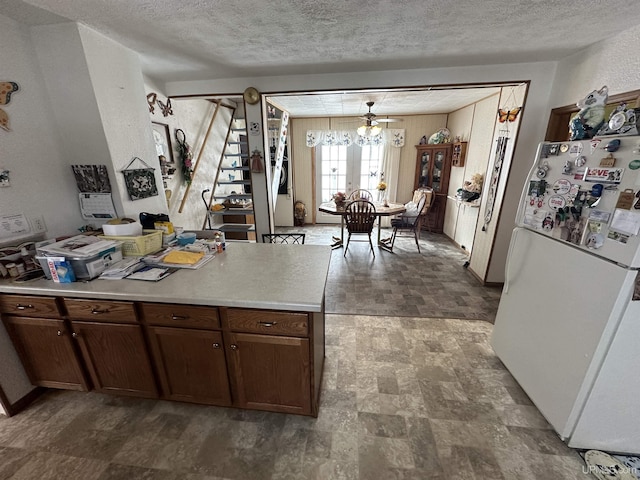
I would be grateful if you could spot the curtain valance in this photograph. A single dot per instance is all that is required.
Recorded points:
(388, 136)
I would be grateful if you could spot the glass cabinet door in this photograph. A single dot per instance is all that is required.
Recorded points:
(438, 166)
(425, 160)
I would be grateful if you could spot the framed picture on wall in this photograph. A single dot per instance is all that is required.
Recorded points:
(162, 141)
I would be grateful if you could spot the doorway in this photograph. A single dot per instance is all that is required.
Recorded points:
(344, 169)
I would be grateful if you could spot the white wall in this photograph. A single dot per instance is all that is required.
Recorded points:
(41, 181)
(475, 125)
(614, 62)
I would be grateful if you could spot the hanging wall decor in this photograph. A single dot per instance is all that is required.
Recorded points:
(151, 100)
(140, 182)
(6, 90)
(165, 108)
(257, 164)
(186, 156)
(501, 150)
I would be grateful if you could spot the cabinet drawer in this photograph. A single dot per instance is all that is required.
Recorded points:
(174, 315)
(265, 321)
(29, 306)
(101, 311)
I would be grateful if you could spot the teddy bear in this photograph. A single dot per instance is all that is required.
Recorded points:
(586, 123)
(300, 211)
(471, 189)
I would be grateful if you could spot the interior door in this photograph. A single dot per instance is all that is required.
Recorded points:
(345, 169)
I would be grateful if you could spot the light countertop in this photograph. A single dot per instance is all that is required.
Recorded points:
(247, 275)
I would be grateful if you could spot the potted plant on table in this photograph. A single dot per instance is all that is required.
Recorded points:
(339, 199)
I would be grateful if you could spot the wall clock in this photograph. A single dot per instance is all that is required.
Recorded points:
(251, 96)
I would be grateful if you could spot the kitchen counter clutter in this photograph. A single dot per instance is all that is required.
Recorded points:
(244, 330)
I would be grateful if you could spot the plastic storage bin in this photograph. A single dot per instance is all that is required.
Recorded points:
(149, 242)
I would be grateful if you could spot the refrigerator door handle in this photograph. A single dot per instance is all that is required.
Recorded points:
(507, 268)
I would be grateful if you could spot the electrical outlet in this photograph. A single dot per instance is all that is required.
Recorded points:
(37, 224)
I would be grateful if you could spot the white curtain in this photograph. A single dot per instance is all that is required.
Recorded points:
(388, 136)
(391, 169)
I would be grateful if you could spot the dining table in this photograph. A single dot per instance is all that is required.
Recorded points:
(383, 209)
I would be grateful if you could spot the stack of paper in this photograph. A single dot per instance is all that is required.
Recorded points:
(122, 269)
(151, 273)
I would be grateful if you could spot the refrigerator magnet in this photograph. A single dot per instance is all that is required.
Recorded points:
(562, 186)
(575, 149)
(595, 240)
(625, 199)
(557, 201)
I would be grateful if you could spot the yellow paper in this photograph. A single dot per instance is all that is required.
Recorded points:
(185, 258)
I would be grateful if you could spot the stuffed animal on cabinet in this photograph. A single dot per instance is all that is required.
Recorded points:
(586, 123)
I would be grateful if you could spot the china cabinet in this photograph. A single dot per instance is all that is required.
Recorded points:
(433, 167)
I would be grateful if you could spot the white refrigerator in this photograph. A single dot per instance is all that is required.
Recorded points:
(568, 323)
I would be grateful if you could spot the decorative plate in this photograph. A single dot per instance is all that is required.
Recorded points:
(605, 467)
(441, 136)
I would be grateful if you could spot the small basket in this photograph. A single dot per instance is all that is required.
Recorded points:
(149, 242)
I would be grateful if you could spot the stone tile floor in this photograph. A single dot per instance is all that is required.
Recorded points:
(432, 283)
(403, 398)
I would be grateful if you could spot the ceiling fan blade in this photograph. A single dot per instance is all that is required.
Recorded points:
(373, 122)
(388, 120)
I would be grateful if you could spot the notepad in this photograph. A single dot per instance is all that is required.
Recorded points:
(182, 257)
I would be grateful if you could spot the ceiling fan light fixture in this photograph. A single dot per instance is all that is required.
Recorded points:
(367, 130)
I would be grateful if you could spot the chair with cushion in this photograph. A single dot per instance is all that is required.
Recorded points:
(290, 238)
(360, 217)
(360, 194)
(410, 222)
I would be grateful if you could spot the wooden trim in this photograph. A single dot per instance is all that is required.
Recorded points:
(558, 124)
(22, 403)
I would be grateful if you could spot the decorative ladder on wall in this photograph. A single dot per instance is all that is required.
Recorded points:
(278, 129)
(232, 186)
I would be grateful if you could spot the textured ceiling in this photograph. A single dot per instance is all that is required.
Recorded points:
(212, 39)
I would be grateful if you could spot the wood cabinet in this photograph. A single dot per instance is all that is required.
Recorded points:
(270, 360)
(248, 358)
(43, 342)
(188, 352)
(458, 154)
(113, 347)
(433, 167)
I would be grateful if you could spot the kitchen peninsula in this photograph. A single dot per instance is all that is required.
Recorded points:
(245, 330)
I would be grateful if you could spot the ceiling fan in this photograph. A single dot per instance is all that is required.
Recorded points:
(371, 121)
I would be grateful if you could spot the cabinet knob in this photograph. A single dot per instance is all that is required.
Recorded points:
(59, 333)
(74, 335)
(19, 306)
(234, 346)
(216, 345)
(178, 317)
(97, 311)
(267, 324)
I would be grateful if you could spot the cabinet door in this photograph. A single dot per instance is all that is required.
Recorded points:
(116, 357)
(423, 169)
(47, 352)
(435, 216)
(269, 372)
(191, 365)
(440, 171)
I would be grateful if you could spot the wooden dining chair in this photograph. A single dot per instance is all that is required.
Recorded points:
(409, 224)
(360, 217)
(361, 193)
